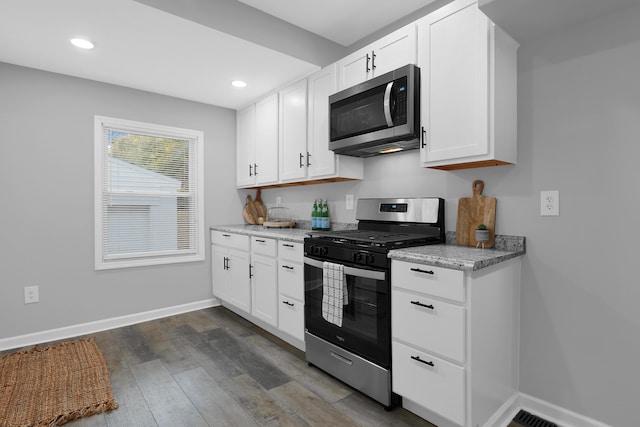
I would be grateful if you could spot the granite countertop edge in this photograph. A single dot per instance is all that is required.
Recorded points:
(295, 235)
(450, 255)
(465, 258)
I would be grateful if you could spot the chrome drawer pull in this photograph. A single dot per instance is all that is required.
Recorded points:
(290, 304)
(288, 267)
(226, 235)
(430, 306)
(418, 270)
(287, 245)
(417, 358)
(260, 241)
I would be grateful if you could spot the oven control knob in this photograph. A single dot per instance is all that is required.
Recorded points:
(324, 250)
(357, 257)
(369, 259)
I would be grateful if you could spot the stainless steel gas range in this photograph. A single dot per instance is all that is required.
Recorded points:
(348, 290)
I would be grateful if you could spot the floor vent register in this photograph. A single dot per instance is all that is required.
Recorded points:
(526, 419)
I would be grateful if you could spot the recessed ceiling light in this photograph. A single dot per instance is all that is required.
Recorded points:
(82, 43)
(238, 83)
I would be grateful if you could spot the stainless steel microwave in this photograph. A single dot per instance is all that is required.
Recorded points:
(379, 116)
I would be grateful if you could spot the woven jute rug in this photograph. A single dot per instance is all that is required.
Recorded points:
(49, 386)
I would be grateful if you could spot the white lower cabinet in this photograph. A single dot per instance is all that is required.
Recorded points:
(455, 340)
(261, 279)
(291, 289)
(429, 381)
(230, 269)
(264, 280)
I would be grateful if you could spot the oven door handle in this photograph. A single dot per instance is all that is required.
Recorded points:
(351, 271)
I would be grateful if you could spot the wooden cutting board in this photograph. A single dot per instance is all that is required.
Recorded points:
(473, 211)
(260, 207)
(250, 213)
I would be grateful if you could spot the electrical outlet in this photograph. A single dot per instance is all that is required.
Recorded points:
(349, 202)
(550, 203)
(278, 201)
(31, 294)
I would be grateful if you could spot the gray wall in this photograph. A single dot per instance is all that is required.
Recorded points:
(579, 132)
(46, 220)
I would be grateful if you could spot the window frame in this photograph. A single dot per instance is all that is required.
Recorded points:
(197, 175)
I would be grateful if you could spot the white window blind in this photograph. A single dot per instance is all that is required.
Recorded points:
(149, 195)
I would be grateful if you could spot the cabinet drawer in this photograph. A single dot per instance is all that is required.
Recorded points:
(430, 382)
(291, 251)
(263, 246)
(291, 316)
(430, 324)
(230, 240)
(291, 279)
(427, 279)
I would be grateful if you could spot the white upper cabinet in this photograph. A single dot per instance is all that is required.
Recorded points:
(257, 143)
(304, 133)
(293, 132)
(245, 145)
(322, 161)
(386, 54)
(468, 89)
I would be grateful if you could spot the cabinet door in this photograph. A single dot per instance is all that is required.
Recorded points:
(429, 381)
(293, 132)
(266, 141)
(291, 317)
(220, 278)
(454, 60)
(322, 161)
(264, 289)
(239, 286)
(245, 146)
(354, 68)
(394, 50)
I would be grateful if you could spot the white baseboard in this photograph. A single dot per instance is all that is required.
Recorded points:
(550, 412)
(102, 325)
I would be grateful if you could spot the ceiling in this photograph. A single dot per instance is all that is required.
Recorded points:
(191, 49)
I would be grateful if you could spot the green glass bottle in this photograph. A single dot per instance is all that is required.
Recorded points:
(314, 215)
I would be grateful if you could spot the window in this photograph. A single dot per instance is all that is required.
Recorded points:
(148, 194)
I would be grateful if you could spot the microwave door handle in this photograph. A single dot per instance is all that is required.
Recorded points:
(387, 104)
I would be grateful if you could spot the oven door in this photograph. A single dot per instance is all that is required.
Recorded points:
(366, 320)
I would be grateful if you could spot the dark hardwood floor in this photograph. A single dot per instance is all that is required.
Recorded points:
(213, 368)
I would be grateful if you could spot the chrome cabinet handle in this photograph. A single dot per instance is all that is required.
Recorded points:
(301, 158)
(250, 170)
(290, 304)
(287, 245)
(373, 60)
(288, 267)
(255, 169)
(368, 59)
(424, 137)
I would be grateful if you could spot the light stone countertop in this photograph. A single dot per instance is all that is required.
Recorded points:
(295, 235)
(466, 258)
(452, 256)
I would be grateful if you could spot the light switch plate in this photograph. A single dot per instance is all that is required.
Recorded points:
(349, 202)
